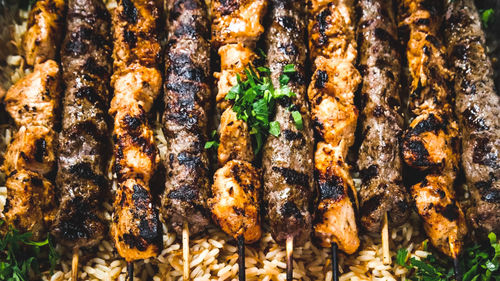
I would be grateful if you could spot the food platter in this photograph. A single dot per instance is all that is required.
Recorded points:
(175, 133)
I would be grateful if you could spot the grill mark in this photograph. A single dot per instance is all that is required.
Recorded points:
(184, 193)
(88, 93)
(289, 209)
(40, 149)
(182, 66)
(372, 204)
(292, 177)
(130, 38)
(483, 155)
(287, 22)
(129, 11)
(321, 79)
(331, 189)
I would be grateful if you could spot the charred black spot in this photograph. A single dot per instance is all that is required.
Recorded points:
(228, 6)
(372, 204)
(321, 79)
(140, 195)
(76, 43)
(331, 189)
(491, 196)
(289, 49)
(441, 193)
(418, 151)
(431, 123)
(40, 149)
(80, 221)
(483, 153)
(471, 117)
(134, 242)
(83, 170)
(460, 52)
(185, 193)
(88, 93)
(292, 177)
(382, 35)
(287, 22)
(132, 123)
(182, 65)
(450, 212)
(188, 160)
(239, 211)
(323, 25)
(36, 181)
(378, 111)
(421, 21)
(291, 135)
(290, 209)
(285, 101)
(434, 41)
(129, 11)
(94, 68)
(130, 38)
(369, 173)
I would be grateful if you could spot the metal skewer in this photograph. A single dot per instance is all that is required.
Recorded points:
(241, 258)
(185, 250)
(289, 258)
(335, 262)
(74, 264)
(130, 270)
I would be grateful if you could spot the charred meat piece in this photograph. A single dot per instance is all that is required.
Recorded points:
(288, 159)
(82, 154)
(477, 107)
(45, 29)
(334, 115)
(33, 104)
(382, 190)
(430, 143)
(185, 120)
(136, 80)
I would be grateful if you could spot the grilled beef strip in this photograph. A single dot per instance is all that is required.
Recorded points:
(477, 107)
(382, 190)
(82, 151)
(288, 159)
(185, 120)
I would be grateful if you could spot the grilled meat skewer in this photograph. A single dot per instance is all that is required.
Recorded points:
(477, 107)
(382, 190)
(288, 159)
(136, 80)
(235, 205)
(33, 104)
(331, 96)
(44, 33)
(82, 156)
(430, 144)
(185, 120)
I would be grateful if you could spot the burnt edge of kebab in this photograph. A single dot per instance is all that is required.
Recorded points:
(187, 103)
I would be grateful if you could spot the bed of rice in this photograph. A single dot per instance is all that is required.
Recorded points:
(213, 254)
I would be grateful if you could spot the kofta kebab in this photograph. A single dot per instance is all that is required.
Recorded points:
(56, 164)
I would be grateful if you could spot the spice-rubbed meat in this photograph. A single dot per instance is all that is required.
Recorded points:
(288, 158)
(382, 190)
(430, 143)
(44, 33)
(235, 203)
(136, 80)
(33, 104)
(334, 115)
(82, 154)
(185, 120)
(477, 107)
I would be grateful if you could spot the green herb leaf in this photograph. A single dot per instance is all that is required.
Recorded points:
(284, 79)
(210, 144)
(401, 256)
(289, 68)
(297, 118)
(487, 17)
(274, 128)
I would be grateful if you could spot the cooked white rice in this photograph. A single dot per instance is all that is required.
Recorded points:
(213, 254)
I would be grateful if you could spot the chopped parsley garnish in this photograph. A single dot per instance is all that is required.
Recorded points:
(487, 17)
(477, 263)
(254, 100)
(20, 256)
(213, 143)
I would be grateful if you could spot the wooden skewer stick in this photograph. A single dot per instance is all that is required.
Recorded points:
(289, 258)
(456, 267)
(185, 250)
(335, 262)
(386, 255)
(130, 269)
(241, 258)
(74, 264)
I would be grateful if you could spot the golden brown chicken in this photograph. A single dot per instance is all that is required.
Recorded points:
(136, 80)
(45, 29)
(331, 95)
(32, 102)
(430, 144)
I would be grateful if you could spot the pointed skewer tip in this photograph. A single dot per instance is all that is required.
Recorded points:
(130, 270)
(185, 251)
(456, 267)
(241, 258)
(289, 258)
(335, 263)
(74, 264)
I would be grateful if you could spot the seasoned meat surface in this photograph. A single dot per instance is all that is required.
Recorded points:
(187, 102)
(430, 143)
(382, 190)
(41, 40)
(477, 107)
(84, 138)
(136, 80)
(288, 159)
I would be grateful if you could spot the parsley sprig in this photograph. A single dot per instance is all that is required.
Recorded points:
(478, 263)
(254, 100)
(487, 17)
(20, 256)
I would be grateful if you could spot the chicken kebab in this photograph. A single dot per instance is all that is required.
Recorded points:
(185, 120)
(33, 102)
(235, 207)
(333, 51)
(477, 107)
(82, 157)
(136, 228)
(383, 196)
(287, 163)
(430, 143)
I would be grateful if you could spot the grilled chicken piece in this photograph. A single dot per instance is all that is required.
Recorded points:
(45, 29)
(235, 142)
(235, 205)
(185, 120)
(382, 190)
(477, 106)
(331, 95)
(32, 103)
(136, 80)
(288, 158)
(430, 144)
(82, 154)
(237, 21)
